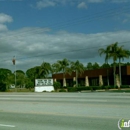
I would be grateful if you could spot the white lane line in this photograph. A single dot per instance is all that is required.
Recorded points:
(3, 125)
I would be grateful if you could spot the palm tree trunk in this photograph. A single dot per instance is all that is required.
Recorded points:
(76, 78)
(120, 71)
(114, 73)
(63, 77)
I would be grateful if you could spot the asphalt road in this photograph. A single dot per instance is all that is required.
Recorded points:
(63, 111)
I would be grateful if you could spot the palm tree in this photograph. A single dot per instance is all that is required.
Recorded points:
(55, 68)
(45, 69)
(64, 67)
(122, 53)
(106, 53)
(78, 68)
(113, 53)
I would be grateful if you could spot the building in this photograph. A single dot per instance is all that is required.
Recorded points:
(95, 77)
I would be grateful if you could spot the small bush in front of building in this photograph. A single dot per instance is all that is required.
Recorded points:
(72, 89)
(124, 86)
(96, 88)
(57, 85)
(112, 87)
(83, 88)
(107, 87)
(62, 90)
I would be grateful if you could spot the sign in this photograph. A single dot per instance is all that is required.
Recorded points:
(43, 82)
(42, 85)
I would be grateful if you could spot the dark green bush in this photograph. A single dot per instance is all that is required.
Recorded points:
(95, 88)
(107, 87)
(57, 85)
(72, 89)
(62, 90)
(2, 87)
(83, 88)
(125, 86)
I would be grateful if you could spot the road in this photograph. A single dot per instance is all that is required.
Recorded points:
(63, 111)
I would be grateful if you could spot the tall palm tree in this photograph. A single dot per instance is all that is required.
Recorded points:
(64, 66)
(122, 53)
(113, 53)
(78, 68)
(45, 69)
(106, 53)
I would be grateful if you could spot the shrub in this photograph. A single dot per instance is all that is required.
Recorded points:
(62, 90)
(95, 88)
(57, 85)
(71, 89)
(125, 86)
(83, 88)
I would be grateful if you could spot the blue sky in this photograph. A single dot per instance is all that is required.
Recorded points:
(33, 29)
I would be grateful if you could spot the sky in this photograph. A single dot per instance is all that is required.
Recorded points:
(37, 31)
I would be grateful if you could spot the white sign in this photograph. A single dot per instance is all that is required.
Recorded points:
(43, 82)
(42, 85)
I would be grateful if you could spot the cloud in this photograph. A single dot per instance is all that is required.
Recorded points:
(3, 28)
(82, 5)
(45, 3)
(31, 48)
(4, 18)
(52, 3)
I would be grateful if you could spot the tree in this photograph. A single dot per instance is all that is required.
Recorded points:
(89, 66)
(29, 84)
(105, 65)
(122, 53)
(4, 73)
(55, 68)
(64, 67)
(45, 69)
(78, 68)
(96, 65)
(106, 53)
(113, 53)
(20, 78)
(33, 73)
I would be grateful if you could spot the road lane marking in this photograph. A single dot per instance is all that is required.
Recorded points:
(3, 125)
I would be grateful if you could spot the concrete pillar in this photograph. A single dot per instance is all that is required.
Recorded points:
(86, 81)
(74, 80)
(100, 80)
(55, 80)
(64, 82)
